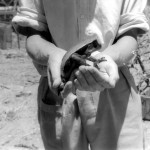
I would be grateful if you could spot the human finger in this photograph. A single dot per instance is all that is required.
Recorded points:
(81, 81)
(78, 85)
(67, 89)
(102, 78)
(54, 72)
(92, 83)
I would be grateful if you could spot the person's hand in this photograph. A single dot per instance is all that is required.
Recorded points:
(68, 91)
(90, 78)
(42, 69)
(53, 68)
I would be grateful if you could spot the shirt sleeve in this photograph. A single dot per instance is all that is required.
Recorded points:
(30, 14)
(132, 16)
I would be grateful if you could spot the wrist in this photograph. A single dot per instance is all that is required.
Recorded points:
(101, 55)
(56, 53)
(110, 53)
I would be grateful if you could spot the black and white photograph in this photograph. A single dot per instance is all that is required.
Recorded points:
(74, 74)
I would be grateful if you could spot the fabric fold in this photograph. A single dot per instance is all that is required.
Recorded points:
(130, 21)
(30, 18)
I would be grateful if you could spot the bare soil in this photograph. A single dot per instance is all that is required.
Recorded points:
(19, 129)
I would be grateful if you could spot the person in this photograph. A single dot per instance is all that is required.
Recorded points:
(105, 111)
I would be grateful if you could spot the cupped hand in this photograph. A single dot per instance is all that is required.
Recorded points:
(104, 75)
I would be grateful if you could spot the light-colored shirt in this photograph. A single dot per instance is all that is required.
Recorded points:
(72, 21)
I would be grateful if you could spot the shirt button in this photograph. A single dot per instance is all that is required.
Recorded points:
(82, 16)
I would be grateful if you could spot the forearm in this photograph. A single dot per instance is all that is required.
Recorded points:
(39, 49)
(122, 51)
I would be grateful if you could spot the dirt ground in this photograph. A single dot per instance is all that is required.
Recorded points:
(19, 129)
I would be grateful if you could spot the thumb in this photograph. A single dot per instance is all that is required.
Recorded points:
(67, 92)
(54, 73)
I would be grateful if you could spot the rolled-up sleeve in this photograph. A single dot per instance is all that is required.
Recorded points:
(132, 16)
(30, 14)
